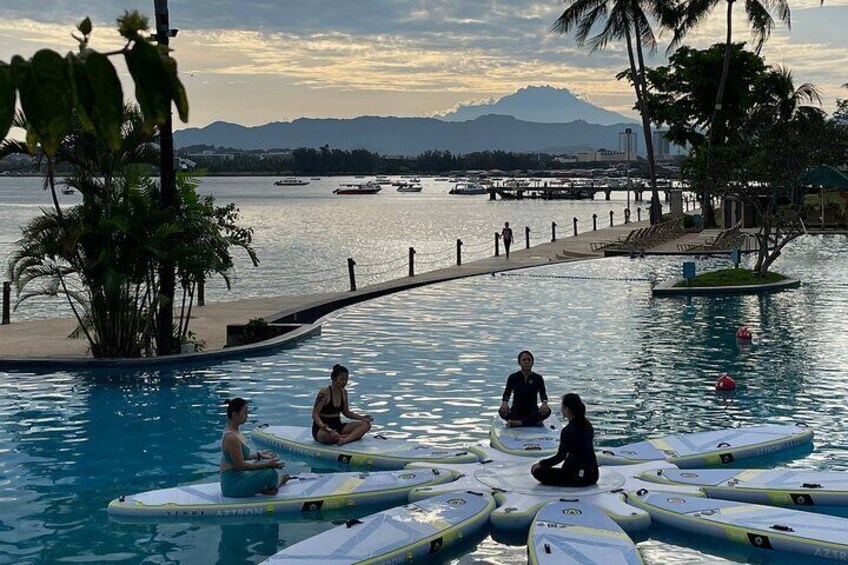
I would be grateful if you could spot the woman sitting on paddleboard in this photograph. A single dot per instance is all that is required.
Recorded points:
(330, 404)
(576, 450)
(240, 479)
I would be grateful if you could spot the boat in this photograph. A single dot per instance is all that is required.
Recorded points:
(383, 180)
(410, 188)
(441, 179)
(67, 190)
(468, 188)
(291, 181)
(369, 187)
(315, 178)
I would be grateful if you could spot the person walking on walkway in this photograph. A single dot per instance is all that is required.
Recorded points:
(506, 236)
(524, 386)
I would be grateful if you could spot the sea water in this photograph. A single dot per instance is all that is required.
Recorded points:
(430, 364)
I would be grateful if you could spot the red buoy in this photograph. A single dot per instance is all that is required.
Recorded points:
(725, 382)
(744, 334)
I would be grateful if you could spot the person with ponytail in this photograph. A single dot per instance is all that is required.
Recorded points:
(331, 402)
(576, 450)
(240, 479)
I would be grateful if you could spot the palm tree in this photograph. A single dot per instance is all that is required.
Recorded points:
(758, 13)
(627, 20)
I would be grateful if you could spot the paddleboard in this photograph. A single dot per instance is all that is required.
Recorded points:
(781, 487)
(535, 441)
(303, 493)
(719, 447)
(399, 535)
(572, 532)
(764, 527)
(373, 450)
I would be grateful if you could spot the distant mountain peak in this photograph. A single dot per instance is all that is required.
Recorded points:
(544, 104)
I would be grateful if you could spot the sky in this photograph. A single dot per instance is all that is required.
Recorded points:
(258, 61)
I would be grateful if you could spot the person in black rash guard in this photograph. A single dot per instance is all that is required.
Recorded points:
(524, 386)
(576, 450)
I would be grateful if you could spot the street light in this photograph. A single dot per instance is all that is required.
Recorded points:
(627, 133)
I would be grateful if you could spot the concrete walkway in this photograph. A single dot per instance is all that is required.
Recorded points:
(45, 339)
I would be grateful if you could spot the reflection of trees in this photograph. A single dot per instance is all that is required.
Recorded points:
(81, 441)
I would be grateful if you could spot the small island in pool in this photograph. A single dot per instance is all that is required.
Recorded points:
(726, 281)
(730, 277)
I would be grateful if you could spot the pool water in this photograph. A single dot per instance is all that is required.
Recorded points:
(430, 364)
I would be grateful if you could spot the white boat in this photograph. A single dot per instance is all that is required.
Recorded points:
(383, 180)
(67, 190)
(369, 187)
(468, 188)
(410, 188)
(291, 181)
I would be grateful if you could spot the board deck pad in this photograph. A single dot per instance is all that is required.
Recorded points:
(764, 527)
(373, 450)
(303, 493)
(532, 441)
(719, 447)
(398, 535)
(575, 533)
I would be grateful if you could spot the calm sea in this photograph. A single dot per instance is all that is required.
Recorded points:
(304, 235)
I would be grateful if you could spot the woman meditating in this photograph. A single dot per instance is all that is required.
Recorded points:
(330, 404)
(240, 479)
(576, 450)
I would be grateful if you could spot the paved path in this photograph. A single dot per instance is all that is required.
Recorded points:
(48, 338)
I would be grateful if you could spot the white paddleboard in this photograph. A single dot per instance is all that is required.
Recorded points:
(373, 450)
(718, 447)
(764, 527)
(303, 493)
(781, 487)
(535, 441)
(399, 535)
(574, 533)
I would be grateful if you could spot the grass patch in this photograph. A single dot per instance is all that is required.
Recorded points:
(731, 277)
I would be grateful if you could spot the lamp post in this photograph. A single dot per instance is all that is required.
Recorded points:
(628, 134)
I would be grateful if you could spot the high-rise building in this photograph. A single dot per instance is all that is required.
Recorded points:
(662, 147)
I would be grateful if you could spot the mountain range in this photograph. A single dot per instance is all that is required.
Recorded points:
(534, 119)
(544, 104)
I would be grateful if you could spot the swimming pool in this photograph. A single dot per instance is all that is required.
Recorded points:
(430, 363)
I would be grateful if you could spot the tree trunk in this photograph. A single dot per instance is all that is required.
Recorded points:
(707, 207)
(656, 206)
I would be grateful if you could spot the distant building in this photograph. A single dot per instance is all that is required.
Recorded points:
(603, 155)
(210, 154)
(662, 147)
(631, 138)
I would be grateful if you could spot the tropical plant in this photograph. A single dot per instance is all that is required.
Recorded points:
(775, 134)
(629, 20)
(758, 14)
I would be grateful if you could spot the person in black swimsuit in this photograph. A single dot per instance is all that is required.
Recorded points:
(524, 386)
(576, 450)
(330, 404)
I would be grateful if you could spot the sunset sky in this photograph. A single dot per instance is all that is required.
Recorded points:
(256, 61)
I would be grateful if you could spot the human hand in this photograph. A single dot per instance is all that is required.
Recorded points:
(367, 418)
(274, 464)
(268, 455)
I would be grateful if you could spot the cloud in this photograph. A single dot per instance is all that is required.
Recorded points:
(424, 49)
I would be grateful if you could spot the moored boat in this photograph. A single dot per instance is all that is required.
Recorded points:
(291, 181)
(410, 188)
(468, 188)
(369, 187)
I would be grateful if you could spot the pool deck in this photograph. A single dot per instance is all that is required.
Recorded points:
(47, 339)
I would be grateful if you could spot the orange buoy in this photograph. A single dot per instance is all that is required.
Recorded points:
(744, 334)
(725, 382)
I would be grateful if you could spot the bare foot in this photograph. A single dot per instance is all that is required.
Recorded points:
(514, 423)
(343, 440)
(270, 491)
(284, 479)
